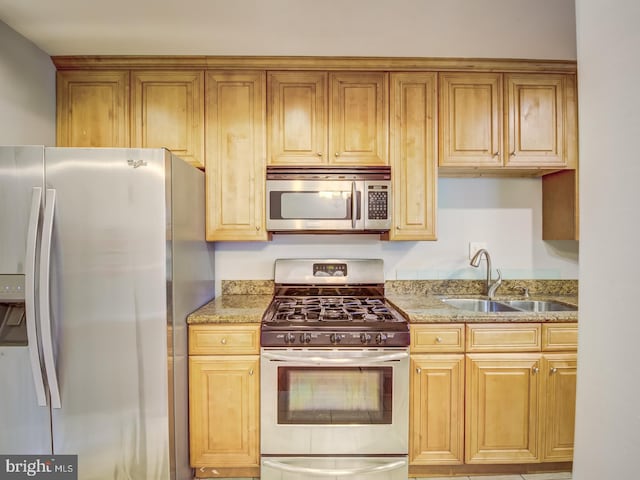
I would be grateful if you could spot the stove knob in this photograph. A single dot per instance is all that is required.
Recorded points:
(289, 338)
(334, 338)
(365, 338)
(305, 338)
(381, 338)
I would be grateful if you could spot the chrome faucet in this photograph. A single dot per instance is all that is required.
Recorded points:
(475, 262)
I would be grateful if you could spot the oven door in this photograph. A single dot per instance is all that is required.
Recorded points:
(334, 401)
(314, 205)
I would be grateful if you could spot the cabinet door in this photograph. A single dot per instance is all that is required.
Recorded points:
(535, 106)
(235, 155)
(92, 109)
(413, 155)
(502, 398)
(168, 111)
(470, 119)
(297, 103)
(437, 410)
(559, 407)
(224, 411)
(359, 118)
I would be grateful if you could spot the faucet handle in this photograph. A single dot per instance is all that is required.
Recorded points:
(521, 288)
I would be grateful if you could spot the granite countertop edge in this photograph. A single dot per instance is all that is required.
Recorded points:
(249, 308)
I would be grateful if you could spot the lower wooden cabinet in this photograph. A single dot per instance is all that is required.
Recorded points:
(437, 410)
(491, 394)
(224, 400)
(502, 399)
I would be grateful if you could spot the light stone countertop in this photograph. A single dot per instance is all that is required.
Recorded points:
(420, 301)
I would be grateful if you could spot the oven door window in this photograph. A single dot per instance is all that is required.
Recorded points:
(335, 395)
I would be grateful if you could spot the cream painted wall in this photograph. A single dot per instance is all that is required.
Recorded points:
(505, 213)
(27, 92)
(608, 406)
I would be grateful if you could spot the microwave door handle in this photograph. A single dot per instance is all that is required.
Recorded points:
(45, 308)
(354, 204)
(335, 472)
(319, 360)
(30, 296)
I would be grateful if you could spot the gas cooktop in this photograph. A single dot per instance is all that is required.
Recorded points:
(333, 311)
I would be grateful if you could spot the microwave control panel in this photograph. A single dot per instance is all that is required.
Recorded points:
(378, 202)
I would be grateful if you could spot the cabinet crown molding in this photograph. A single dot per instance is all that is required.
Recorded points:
(441, 64)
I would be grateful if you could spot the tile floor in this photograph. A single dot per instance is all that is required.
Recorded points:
(526, 476)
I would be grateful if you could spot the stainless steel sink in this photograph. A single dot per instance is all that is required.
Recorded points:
(478, 305)
(485, 305)
(540, 305)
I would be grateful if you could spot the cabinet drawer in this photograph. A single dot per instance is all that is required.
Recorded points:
(503, 337)
(437, 338)
(224, 339)
(559, 336)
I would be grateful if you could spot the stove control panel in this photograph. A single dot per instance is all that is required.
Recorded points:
(335, 338)
(329, 269)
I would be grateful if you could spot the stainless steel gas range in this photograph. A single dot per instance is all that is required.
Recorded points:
(334, 374)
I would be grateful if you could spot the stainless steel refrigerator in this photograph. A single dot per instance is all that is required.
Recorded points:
(102, 257)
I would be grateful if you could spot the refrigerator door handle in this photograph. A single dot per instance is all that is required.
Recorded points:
(45, 308)
(30, 295)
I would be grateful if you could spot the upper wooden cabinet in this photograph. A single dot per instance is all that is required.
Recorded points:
(235, 173)
(413, 155)
(297, 129)
(492, 122)
(470, 120)
(328, 118)
(168, 111)
(92, 108)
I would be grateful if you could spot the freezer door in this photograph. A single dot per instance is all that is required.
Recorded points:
(24, 426)
(108, 304)
(21, 169)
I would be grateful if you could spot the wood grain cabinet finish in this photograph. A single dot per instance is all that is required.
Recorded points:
(224, 400)
(470, 120)
(413, 154)
(436, 430)
(297, 122)
(502, 402)
(92, 108)
(338, 118)
(235, 173)
(492, 122)
(559, 406)
(168, 111)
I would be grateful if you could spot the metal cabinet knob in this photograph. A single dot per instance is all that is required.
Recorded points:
(554, 369)
(251, 371)
(319, 154)
(258, 228)
(418, 370)
(438, 339)
(337, 154)
(535, 370)
(223, 341)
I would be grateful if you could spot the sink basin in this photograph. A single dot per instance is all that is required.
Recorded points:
(478, 305)
(540, 305)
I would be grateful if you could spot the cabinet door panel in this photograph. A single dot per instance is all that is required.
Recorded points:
(297, 103)
(224, 411)
(437, 410)
(168, 111)
(559, 411)
(92, 109)
(235, 156)
(502, 408)
(470, 120)
(535, 106)
(413, 155)
(359, 118)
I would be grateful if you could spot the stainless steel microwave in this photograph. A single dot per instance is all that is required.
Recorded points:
(328, 199)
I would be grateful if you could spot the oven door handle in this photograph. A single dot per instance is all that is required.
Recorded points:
(319, 360)
(335, 472)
